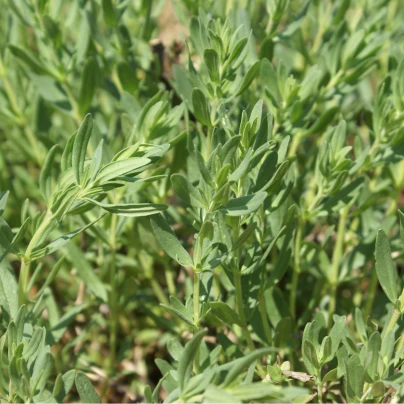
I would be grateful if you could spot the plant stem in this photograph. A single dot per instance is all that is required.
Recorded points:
(26, 263)
(197, 278)
(113, 296)
(297, 269)
(395, 317)
(295, 144)
(336, 259)
(319, 387)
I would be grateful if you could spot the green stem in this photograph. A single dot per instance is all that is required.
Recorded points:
(210, 130)
(25, 262)
(336, 259)
(297, 269)
(113, 296)
(319, 387)
(395, 317)
(295, 143)
(197, 278)
(393, 321)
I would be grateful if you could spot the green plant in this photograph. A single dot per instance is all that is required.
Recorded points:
(265, 141)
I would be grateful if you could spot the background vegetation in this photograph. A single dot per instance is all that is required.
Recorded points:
(192, 198)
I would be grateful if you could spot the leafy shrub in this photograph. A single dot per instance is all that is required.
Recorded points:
(206, 216)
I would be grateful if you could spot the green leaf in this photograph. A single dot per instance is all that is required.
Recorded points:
(187, 357)
(354, 377)
(225, 313)
(326, 350)
(148, 394)
(237, 54)
(119, 168)
(85, 271)
(186, 191)
(109, 13)
(79, 150)
(310, 353)
(3, 202)
(42, 369)
(45, 176)
(401, 214)
(249, 77)
(207, 231)
(169, 242)
(336, 333)
(201, 108)
(211, 59)
(87, 85)
(29, 59)
(360, 325)
(127, 77)
(244, 205)
(244, 236)
(177, 313)
(130, 209)
(85, 389)
(266, 171)
(372, 359)
(241, 169)
(237, 366)
(385, 267)
(35, 344)
(202, 168)
(54, 335)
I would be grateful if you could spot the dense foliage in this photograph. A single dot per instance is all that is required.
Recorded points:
(200, 201)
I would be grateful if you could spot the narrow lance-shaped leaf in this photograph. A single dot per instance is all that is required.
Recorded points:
(120, 168)
(187, 357)
(202, 169)
(385, 267)
(244, 205)
(109, 12)
(240, 364)
(3, 202)
(45, 176)
(168, 241)
(80, 147)
(87, 85)
(240, 171)
(201, 108)
(130, 209)
(60, 241)
(225, 313)
(211, 59)
(249, 77)
(401, 214)
(186, 191)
